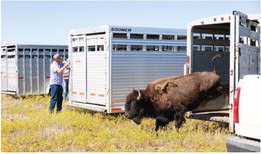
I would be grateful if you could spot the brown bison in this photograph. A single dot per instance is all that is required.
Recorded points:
(169, 99)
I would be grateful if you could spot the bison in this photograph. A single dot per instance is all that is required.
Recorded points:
(168, 99)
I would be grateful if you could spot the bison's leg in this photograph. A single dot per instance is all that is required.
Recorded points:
(179, 118)
(161, 121)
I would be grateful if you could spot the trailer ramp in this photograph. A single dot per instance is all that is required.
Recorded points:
(217, 116)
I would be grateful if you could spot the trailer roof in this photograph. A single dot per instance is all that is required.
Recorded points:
(31, 44)
(133, 29)
(218, 19)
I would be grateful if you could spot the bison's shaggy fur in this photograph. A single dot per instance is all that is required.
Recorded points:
(169, 99)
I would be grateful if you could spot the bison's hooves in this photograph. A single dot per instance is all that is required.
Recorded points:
(178, 126)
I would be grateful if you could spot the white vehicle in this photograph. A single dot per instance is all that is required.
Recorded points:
(107, 62)
(247, 107)
(25, 68)
(237, 37)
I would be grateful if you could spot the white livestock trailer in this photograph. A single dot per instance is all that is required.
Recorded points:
(237, 37)
(107, 62)
(25, 68)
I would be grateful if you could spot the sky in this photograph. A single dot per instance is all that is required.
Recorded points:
(48, 22)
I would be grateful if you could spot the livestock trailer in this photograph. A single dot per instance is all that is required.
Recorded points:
(237, 37)
(25, 68)
(107, 62)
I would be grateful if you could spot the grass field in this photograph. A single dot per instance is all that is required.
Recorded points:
(28, 127)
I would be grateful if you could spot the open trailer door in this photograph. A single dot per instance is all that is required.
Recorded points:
(245, 54)
(246, 45)
(236, 36)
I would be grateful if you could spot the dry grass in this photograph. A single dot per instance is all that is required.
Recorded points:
(27, 126)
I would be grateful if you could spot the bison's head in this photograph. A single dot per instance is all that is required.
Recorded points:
(134, 106)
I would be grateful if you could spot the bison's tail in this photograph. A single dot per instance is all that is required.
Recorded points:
(219, 55)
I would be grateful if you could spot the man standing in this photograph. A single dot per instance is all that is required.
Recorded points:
(56, 82)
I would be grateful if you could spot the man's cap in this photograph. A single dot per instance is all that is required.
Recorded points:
(56, 56)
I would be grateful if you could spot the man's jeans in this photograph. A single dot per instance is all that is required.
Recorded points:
(56, 97)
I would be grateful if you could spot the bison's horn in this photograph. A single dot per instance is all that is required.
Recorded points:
(139, 96)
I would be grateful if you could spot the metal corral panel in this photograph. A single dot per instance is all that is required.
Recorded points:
(28, 67)
(136, 69)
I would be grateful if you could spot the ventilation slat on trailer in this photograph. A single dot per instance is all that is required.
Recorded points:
(109, 61)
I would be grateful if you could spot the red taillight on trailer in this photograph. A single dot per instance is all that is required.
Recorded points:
(236, 105)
